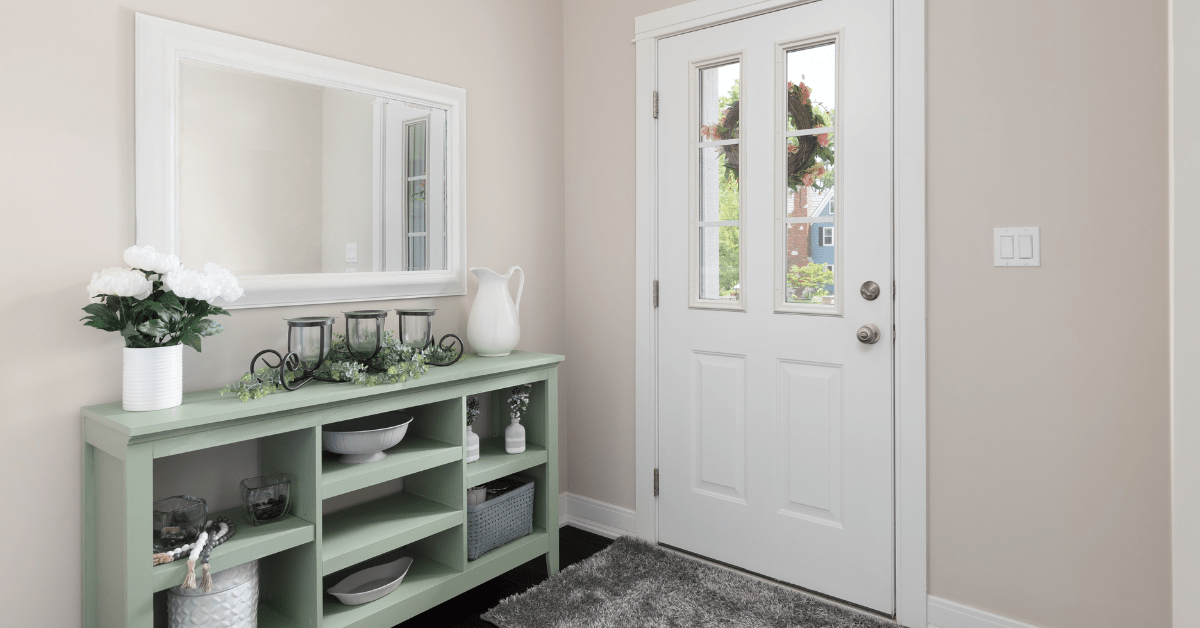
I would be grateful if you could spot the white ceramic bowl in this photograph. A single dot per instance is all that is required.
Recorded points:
(363, 440)
(371, 584)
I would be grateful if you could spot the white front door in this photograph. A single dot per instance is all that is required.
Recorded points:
(774, 208)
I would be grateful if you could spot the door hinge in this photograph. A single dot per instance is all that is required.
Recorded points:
(893, 290)
(655, 296)
(654, 105)
(656, 482)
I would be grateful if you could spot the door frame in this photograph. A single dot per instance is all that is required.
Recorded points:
(908, 183)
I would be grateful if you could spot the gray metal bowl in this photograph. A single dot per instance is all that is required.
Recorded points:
(364, 440)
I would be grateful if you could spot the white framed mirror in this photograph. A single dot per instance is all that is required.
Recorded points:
(313, 179)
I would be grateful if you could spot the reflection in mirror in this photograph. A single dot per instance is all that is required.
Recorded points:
(284, 177)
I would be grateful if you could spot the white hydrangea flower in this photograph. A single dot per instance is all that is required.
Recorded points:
(230, 290)
(192, 284)
(146, 258)
(121, 282)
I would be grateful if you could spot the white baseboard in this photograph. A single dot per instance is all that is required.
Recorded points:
(947, 614)
(595, 516)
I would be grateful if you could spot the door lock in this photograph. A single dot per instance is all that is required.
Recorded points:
(868, 334)
(869, 290)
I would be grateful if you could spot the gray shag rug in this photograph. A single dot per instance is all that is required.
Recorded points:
(633, 584)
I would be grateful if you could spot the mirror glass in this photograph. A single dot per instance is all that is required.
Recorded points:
(285, 177)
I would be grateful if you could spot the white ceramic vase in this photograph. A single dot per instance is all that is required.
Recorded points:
(472, 445)
(494, 326)
(152, 378)
(514, 437)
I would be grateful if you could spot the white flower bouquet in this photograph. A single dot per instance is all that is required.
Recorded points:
(157, 302)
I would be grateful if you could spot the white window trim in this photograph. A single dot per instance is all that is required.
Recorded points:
(162, 44)
(828, 236)
(908, 29)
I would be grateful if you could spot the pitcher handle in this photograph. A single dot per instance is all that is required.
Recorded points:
(520, 286)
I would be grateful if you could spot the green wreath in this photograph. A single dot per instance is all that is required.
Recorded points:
(810, 157)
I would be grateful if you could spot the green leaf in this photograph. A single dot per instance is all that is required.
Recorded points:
(103, 326)
(129, 331)
(153, 327)
(214, 310)
(191, 340)
(101, 317)
(170, 300)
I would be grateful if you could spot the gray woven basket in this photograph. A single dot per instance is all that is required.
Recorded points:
(498, 521)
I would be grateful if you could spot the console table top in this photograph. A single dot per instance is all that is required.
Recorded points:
(209, 407)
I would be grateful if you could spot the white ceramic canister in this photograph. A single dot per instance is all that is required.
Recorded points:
(152, 378)
(494, 326)
(232, 603)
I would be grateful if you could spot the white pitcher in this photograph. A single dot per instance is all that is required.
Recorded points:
(494, 328)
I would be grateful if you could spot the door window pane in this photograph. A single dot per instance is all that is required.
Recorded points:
(719, 102)
(811, 263)
(418, 179)
(810, 236)
(718, 212)
(720, 251)
(719, 190)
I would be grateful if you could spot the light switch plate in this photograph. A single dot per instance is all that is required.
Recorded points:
(351, 252)
(1017, 246)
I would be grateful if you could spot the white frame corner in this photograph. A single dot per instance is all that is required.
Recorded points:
(908, 42)
(161, 44)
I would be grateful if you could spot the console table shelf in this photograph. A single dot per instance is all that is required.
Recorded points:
(308, 551)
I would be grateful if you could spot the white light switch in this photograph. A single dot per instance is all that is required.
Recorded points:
(1017, 246)
(1025, 246)
(351, 252)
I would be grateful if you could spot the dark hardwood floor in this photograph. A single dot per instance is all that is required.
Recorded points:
(464, 611)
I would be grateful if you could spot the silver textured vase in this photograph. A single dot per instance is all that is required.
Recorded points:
(233, 602)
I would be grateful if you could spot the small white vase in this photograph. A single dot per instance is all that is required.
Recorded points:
(152, 378)
(472, 445)
(514, 437)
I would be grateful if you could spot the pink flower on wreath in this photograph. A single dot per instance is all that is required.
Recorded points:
(793, 148)
(823, 139)
(808, 180)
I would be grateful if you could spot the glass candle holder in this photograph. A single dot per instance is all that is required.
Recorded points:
(266, 498)
(310, 338)
(178, 520)
(416, 327)
(364, 333)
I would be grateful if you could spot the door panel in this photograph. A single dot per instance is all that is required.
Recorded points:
(775, 204)
(719, 422)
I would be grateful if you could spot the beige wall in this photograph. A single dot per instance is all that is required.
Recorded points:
(1048, 425)
(66, 197)
(1048, 418)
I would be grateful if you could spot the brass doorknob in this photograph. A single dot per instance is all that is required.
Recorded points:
(868, 334)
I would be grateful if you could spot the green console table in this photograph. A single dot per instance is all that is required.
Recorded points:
(307, 552)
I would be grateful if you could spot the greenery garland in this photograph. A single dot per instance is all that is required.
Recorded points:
(395, 363)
